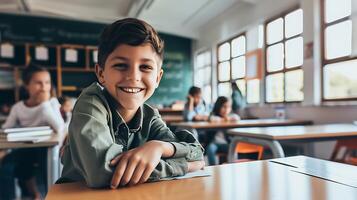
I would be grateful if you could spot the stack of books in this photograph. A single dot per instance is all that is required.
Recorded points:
(28, 134)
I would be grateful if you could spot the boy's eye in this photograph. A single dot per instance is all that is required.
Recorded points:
(146, 67)
(121, 66)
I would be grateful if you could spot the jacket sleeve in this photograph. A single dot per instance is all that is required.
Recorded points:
(187, 149)
(92, 147)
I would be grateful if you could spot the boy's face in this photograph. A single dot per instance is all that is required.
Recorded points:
(130, 75)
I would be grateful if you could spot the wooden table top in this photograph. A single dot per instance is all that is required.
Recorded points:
(242, 123)
(172, 118)
(52, 141)
(251, 180)
(298, 132)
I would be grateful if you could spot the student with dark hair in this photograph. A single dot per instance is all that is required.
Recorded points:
(39, 109)
(221, 113)
(195, 108)
(114, 138)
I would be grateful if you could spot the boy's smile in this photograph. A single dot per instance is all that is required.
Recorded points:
(130, 75)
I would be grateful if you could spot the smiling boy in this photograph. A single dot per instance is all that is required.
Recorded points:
(115, 139)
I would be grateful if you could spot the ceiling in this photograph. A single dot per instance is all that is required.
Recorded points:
(179, 17)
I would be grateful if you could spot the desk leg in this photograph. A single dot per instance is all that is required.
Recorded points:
(52, 165)
(274, 145)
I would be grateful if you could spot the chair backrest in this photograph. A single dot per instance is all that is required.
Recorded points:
(243, 147)
(349, 144)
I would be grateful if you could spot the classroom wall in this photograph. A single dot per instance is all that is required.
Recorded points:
(23, 28)
(240, 18)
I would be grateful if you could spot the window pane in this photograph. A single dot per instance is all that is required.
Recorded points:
(275, 88)
(337, 9)
(223, 71)
(206, 93)
(199, 77)
(275, 31)
(293, 85)
(224, 52)
(294, 23)
(207, 58)
(275, 55)
(207, 75)
(294, 52)
(338, 40)
(241, 85)
(238, 67)
(238, 46)
(340, 80)
(253, 91)
(224, 89)
(200, 61)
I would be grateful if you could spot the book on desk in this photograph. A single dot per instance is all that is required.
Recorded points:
(26, 134)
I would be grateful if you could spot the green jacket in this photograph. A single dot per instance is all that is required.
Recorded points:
(97, 134)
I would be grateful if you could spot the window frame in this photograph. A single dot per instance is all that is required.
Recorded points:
(197, 68)
(283, 41)
(324, 61)
(230, 60)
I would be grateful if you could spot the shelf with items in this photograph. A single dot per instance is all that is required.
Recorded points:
(44, 55)
(71, 67)
(73, 57)
(91, 56)
(71, 85)
(13, 54)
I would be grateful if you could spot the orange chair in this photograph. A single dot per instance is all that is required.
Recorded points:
(243, 147)
(350, 145)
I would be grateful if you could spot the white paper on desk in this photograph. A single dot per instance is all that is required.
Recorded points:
(199, 173)
(7, 50)
(337, 178)
(71, 55)
(41, 53)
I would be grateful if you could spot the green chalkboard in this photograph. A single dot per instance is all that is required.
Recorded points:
(34, 29)
(177, 78)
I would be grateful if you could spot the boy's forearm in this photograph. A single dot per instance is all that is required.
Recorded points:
(167, 149)
(195, 165)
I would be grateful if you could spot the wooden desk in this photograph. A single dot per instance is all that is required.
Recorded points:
(169, 119)
(52, 144)
(251, 180)
(170, 111)
(271, 136)
(195, 126)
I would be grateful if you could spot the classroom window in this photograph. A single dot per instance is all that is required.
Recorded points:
(232, 64)
(284, 58)
(202, 74)
(339, 60)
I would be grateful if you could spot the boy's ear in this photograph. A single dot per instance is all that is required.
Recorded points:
(158, 78)
(99, 73)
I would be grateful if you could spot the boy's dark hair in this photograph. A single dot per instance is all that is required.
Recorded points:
(194, 90)
(128, 31)
(218, 105)
(29, 71)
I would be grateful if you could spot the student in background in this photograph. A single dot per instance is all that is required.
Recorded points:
(238, 101)
(39, 109)
(66, 108)
(195, 108)
(218, 143)
(114, 138)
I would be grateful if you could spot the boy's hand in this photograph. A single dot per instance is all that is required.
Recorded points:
(136, 165)
(195, 165)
